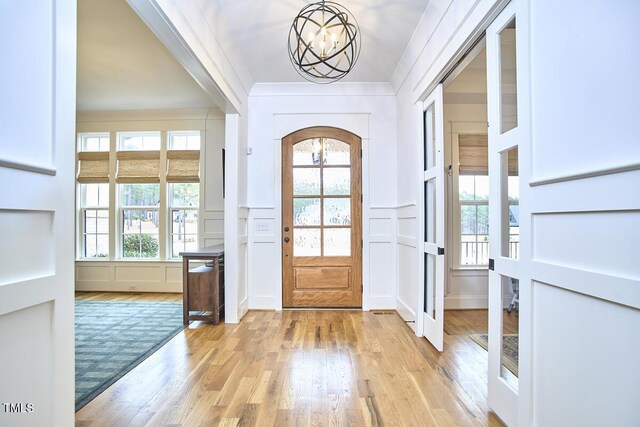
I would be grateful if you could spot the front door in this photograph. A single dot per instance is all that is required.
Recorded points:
(321, 218)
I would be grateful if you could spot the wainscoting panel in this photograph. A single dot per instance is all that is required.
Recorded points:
(407, 262)
(129, 276)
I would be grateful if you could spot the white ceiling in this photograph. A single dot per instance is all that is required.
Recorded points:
(123, 66)
(259, 31)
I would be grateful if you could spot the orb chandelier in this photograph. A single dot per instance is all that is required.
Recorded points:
(324, 42)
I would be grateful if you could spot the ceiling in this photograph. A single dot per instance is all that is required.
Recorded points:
(470, 85)
(259, 31)
(123, 66)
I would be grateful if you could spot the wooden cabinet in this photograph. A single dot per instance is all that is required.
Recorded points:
(203, 286)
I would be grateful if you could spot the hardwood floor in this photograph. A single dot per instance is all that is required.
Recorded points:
(309, 368)
(128, 296)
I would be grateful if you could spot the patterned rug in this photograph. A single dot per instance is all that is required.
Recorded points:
(113, 337)
(509, 349)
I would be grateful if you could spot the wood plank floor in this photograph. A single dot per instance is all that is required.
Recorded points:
(307, 368)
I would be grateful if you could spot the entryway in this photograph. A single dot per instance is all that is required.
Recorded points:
(321, 218)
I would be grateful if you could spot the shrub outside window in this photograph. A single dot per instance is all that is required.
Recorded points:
(140, 220)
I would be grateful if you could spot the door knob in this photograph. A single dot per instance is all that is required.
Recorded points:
(286, 229)
(286, 240)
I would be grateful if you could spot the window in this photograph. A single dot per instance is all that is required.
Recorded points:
(94, 142)
(184, 140)
(94, 213)
(139, 141)
(184, 198)
(144, 221)
(513, 184)
(140, 229)
(473, 191)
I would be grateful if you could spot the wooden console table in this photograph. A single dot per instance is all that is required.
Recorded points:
(203, 287)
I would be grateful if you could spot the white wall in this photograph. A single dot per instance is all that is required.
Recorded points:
(160, 276)
(368, 110)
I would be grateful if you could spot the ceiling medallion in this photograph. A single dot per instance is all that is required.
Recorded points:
(324, 42)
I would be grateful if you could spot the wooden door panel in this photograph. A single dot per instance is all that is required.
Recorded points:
(322, 278)
(322, 247)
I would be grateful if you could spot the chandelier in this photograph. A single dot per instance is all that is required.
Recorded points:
(324, 42)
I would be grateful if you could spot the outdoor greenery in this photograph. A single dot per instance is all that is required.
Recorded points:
(140, 246)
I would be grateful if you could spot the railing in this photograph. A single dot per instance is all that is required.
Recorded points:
(477, 253)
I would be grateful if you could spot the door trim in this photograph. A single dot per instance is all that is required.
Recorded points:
(357, 204)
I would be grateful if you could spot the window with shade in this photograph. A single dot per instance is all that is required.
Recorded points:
(93, 178)
(473, 201)
(135, 169)
(183, 176)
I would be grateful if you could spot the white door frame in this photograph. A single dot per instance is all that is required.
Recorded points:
(430, 327)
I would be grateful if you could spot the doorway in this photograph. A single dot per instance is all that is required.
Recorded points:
(321, 218)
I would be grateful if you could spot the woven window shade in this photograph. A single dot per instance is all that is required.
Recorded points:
(138, 167)
(183, 166)
(472, 153)
(513, 162)
(93, 167)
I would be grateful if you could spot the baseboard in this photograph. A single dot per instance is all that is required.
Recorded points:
(262, 303)
(380, 303)
(407, 314)
(98, 286)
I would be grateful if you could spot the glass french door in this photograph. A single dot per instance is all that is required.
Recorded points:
(431, 222)
(504, 236)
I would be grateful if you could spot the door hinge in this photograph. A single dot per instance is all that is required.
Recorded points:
(361, 153)
(361, 198)
(491, 264)
(440, 251)
(361, 243)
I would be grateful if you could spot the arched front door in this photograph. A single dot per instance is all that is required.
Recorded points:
(321, 218)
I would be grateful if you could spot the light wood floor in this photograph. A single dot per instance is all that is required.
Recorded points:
(308, 368)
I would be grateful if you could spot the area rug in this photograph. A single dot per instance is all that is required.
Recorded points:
(113, 337)
(509, 349)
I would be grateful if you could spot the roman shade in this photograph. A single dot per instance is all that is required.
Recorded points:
(93, 167)
(183, 166)
(472, 154)
(138, 167)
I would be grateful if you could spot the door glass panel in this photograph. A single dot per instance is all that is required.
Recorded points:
(307, 152)
(430, 285)
(429, 212)
(336, 152)
(306, 242)
(337, 242)
(508, 79)
(337, 211)
(306, 211)
(511, 205)
(306, 182)
(336, 181)
(429, 137)
(509, 332)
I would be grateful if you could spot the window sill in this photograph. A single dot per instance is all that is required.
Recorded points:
(469, 271)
